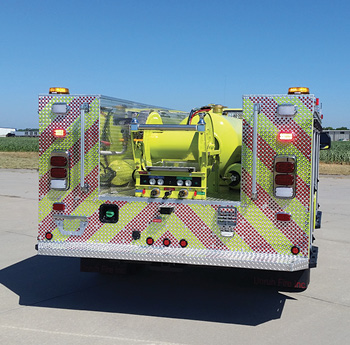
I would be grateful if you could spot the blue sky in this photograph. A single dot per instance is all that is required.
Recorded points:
(175, 53)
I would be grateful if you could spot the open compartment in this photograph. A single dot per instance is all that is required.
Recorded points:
(152, 152)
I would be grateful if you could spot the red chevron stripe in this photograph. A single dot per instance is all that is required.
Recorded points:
(268, 108)
(196, 225)
(94, 225)
(140, 222)
(249, 235)
(291, 230)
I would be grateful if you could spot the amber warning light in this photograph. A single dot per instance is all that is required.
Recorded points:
(298, 90)
(59, 90)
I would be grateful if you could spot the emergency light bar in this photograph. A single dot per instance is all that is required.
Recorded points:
(59, 90)
(298, 90)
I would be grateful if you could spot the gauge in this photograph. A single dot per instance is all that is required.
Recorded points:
(188, 183)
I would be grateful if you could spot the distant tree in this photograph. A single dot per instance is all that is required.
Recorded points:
(342, 128)
(328, 128)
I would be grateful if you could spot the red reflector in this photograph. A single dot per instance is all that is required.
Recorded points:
(166, 242)
(149, 241)
(58, 206)
(295, 250)
(285, 136)
(48, 236)
(169, 188)
(195, 193)
(143, 172)
(284, 167)
(183, 243)
(157, 220)
(58, 172)
(283, 217)
(58, 161)
(59, 133)
(317, 101)
(284, 179)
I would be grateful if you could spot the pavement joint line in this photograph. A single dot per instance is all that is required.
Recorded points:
(326, 301)
(17, 233)
(16, 197)
(148, 342)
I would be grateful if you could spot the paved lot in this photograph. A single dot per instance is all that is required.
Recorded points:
(46, 300)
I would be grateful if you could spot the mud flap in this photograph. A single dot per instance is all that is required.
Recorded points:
(297, 281)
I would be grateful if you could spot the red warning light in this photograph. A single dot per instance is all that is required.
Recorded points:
(58, 206)
(48, 236)
(149, 241)
(283, 217)
(183, 243)
(59, 133)
(295, 250)
(166, 242)
(285, 137)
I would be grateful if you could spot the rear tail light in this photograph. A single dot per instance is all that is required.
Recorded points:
(284, 177)
(283, 217)
(58, 206)
(59, 171)
(58, 161)
(284, 167)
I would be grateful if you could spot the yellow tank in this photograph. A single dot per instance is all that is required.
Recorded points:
(223, 133)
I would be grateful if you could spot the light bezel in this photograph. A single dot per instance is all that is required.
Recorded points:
(283, 191)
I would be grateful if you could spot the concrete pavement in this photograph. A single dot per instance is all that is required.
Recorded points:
(46, 300)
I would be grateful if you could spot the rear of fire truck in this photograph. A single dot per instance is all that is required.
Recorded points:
(121, 181)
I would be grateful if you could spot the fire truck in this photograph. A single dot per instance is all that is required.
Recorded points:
(125, 182)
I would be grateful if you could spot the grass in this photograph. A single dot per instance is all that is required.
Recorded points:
(13, 144)
(22, 153)
(339, 153)
(19, 160)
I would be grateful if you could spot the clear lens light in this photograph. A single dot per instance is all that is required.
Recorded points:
(152, 181)
(188, 183)
(160, 181)
(180, 182)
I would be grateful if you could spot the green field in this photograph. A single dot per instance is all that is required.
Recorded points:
(13, 144)
(339, 153)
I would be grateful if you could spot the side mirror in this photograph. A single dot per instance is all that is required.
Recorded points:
(325, 141)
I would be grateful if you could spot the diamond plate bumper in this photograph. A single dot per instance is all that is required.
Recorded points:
(276, 262)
